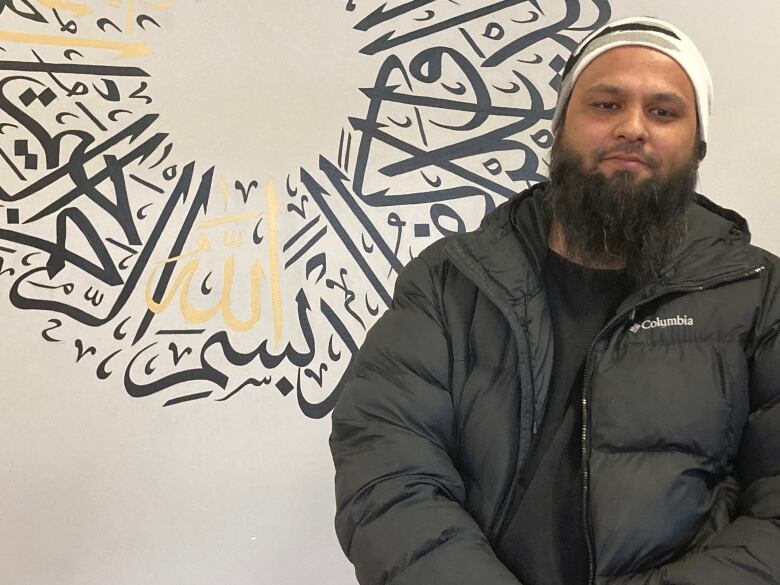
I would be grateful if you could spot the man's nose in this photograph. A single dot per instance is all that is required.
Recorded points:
(632, 124)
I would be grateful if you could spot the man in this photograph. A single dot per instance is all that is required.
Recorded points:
(587, 388)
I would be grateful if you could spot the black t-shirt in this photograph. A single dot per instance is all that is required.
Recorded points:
(544, 543)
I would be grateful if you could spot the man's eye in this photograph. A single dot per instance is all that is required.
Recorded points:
(605, 105)
(663, 113)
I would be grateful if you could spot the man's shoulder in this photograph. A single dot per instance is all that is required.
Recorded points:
(770, 267)
(497, 226)
(721, 233)
(771, 259)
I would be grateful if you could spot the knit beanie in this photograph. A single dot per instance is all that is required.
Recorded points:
(645, 32)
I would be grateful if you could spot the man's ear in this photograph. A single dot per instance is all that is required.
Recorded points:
(701, 150)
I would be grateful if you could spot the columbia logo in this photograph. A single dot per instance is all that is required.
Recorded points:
(678, 321)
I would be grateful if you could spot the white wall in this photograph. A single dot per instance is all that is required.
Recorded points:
(101, 487)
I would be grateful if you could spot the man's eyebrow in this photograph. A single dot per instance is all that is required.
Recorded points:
(605, 88)
(669, 96)
(662, 96)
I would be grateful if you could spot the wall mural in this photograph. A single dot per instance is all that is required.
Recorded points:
(181, 282)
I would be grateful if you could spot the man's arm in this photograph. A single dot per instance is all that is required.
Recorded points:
(400, 516)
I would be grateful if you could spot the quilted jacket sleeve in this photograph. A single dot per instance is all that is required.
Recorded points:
(399, 495)
(747, 552)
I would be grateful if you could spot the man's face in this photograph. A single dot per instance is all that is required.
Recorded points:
(632, 110)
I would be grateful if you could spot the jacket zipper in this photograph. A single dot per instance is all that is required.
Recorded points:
(508, 497)
(586, 520)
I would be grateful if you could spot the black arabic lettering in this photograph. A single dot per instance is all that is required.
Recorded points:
(349, 294)
(380, 15)
(441, 211)
(50, 145)
(46, 333)
(444, 157)
(102, 23)
(102, 371)
(323, 408)
(178, 356)
(22, 8)
(3, 271)
(254, 382)
(220, 340)
(317, 192)
(95, 297)
(200, 202)
(119, 332)
(145, 18)
(389, 41)
(83, 351)
(245, 191)
(128, 285)
(142, 390)
(70, 26)
(553, 31)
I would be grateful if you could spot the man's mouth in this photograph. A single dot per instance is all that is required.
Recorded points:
(626, 161)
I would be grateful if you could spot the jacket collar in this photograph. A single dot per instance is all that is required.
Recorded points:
(507, 252)
(505, 255)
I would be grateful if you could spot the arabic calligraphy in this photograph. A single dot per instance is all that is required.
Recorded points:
(179, 282)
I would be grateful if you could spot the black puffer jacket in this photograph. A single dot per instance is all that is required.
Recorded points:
(681, 413)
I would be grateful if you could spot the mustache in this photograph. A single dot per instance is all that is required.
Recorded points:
(627, 150)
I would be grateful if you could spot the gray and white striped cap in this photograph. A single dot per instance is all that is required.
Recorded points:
(646, 32)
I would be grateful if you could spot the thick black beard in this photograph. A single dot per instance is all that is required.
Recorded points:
(608, 219)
